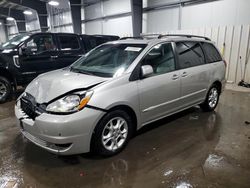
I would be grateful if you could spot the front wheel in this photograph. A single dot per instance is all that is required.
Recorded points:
(212, 99)
(112, 133)
(5, 89)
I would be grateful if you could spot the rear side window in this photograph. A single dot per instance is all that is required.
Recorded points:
(212, 55)
(68, 42)
(190, 54)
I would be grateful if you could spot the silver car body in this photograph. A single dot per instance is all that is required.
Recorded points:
(176, 91)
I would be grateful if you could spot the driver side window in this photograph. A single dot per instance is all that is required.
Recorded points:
(161, 58)
(40, 44)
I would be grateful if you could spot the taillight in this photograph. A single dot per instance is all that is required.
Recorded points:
(225, 63)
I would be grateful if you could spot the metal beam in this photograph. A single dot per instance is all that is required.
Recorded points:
(176, 4)
(107, 17)
(75, 6)
(40, 7)
(4, 27)
(17, 15)
(136, 8)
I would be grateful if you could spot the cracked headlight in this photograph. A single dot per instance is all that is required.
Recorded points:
(70, 103)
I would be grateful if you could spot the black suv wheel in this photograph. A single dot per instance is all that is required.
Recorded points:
(5, 89)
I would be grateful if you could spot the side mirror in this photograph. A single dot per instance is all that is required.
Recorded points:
(146, 70)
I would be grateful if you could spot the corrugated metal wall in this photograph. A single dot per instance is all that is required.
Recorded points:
(121, 26)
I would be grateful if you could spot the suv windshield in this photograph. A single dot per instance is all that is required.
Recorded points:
(14, 41)
(109, 60)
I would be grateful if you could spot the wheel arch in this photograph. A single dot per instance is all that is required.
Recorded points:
(218, 84)
(130, 112)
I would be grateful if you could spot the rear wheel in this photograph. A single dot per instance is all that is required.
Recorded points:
(112, 133)
(212, 99)
(5, 89)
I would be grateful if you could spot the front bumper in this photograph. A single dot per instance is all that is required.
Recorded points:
(60, 134)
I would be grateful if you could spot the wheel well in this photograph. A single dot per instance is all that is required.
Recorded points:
(5, 73)
(130, 112)
(218, 84)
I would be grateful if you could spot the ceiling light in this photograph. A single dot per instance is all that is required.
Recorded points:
(53, 3)
(27, 12)
(10, 19)
(0, 23)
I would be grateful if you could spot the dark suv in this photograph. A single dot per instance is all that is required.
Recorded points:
(27, 55)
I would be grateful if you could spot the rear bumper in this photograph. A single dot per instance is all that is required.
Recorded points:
(60, 134)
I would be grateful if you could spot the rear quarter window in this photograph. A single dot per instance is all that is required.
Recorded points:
(68, 42)
(212, 54)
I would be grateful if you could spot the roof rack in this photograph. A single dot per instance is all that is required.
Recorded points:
(146, 35)
(124, 38)
(183, 35)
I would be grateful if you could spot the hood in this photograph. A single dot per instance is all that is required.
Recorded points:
(53, 84)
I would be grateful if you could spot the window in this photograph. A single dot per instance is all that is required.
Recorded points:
(161, 58)
(190, 54)
(40, 43)
(212, 55)
(68, 42)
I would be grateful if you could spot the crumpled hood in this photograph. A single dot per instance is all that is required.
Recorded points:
(53, 84)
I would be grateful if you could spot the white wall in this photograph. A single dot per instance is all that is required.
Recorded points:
(210, 14)
(60, 17)
(12, 28)
(2, 32)
(161, 20)
(225, 12)
(33, 26)
(121, 26)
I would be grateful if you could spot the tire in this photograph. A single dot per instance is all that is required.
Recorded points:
(107, 140)
(212, 99)
(5, 89)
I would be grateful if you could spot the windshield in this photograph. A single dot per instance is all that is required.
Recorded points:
(109, 60)
(14, 41)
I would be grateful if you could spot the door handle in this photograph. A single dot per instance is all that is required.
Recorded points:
(54, 56)
(184, 74)
(175, 77)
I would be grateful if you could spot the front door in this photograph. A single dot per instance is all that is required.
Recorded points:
(159, 92)
(39, 55)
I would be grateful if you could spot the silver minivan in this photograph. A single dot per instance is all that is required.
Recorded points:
(100, 101)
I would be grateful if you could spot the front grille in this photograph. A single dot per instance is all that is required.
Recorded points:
(29, 106)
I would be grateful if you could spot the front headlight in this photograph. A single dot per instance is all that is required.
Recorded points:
(70, 103)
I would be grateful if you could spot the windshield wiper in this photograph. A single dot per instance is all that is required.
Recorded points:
(80, 71)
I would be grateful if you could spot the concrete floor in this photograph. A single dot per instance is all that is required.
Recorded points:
(190, 149)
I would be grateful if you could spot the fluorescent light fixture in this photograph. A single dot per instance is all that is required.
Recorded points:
(10, 19)
(53, 3)
(27, 12)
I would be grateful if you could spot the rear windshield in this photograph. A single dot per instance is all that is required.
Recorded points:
(108, 60)
(212, 55)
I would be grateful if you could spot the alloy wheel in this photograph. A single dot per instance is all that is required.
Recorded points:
(115, 133)
(213, 97)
